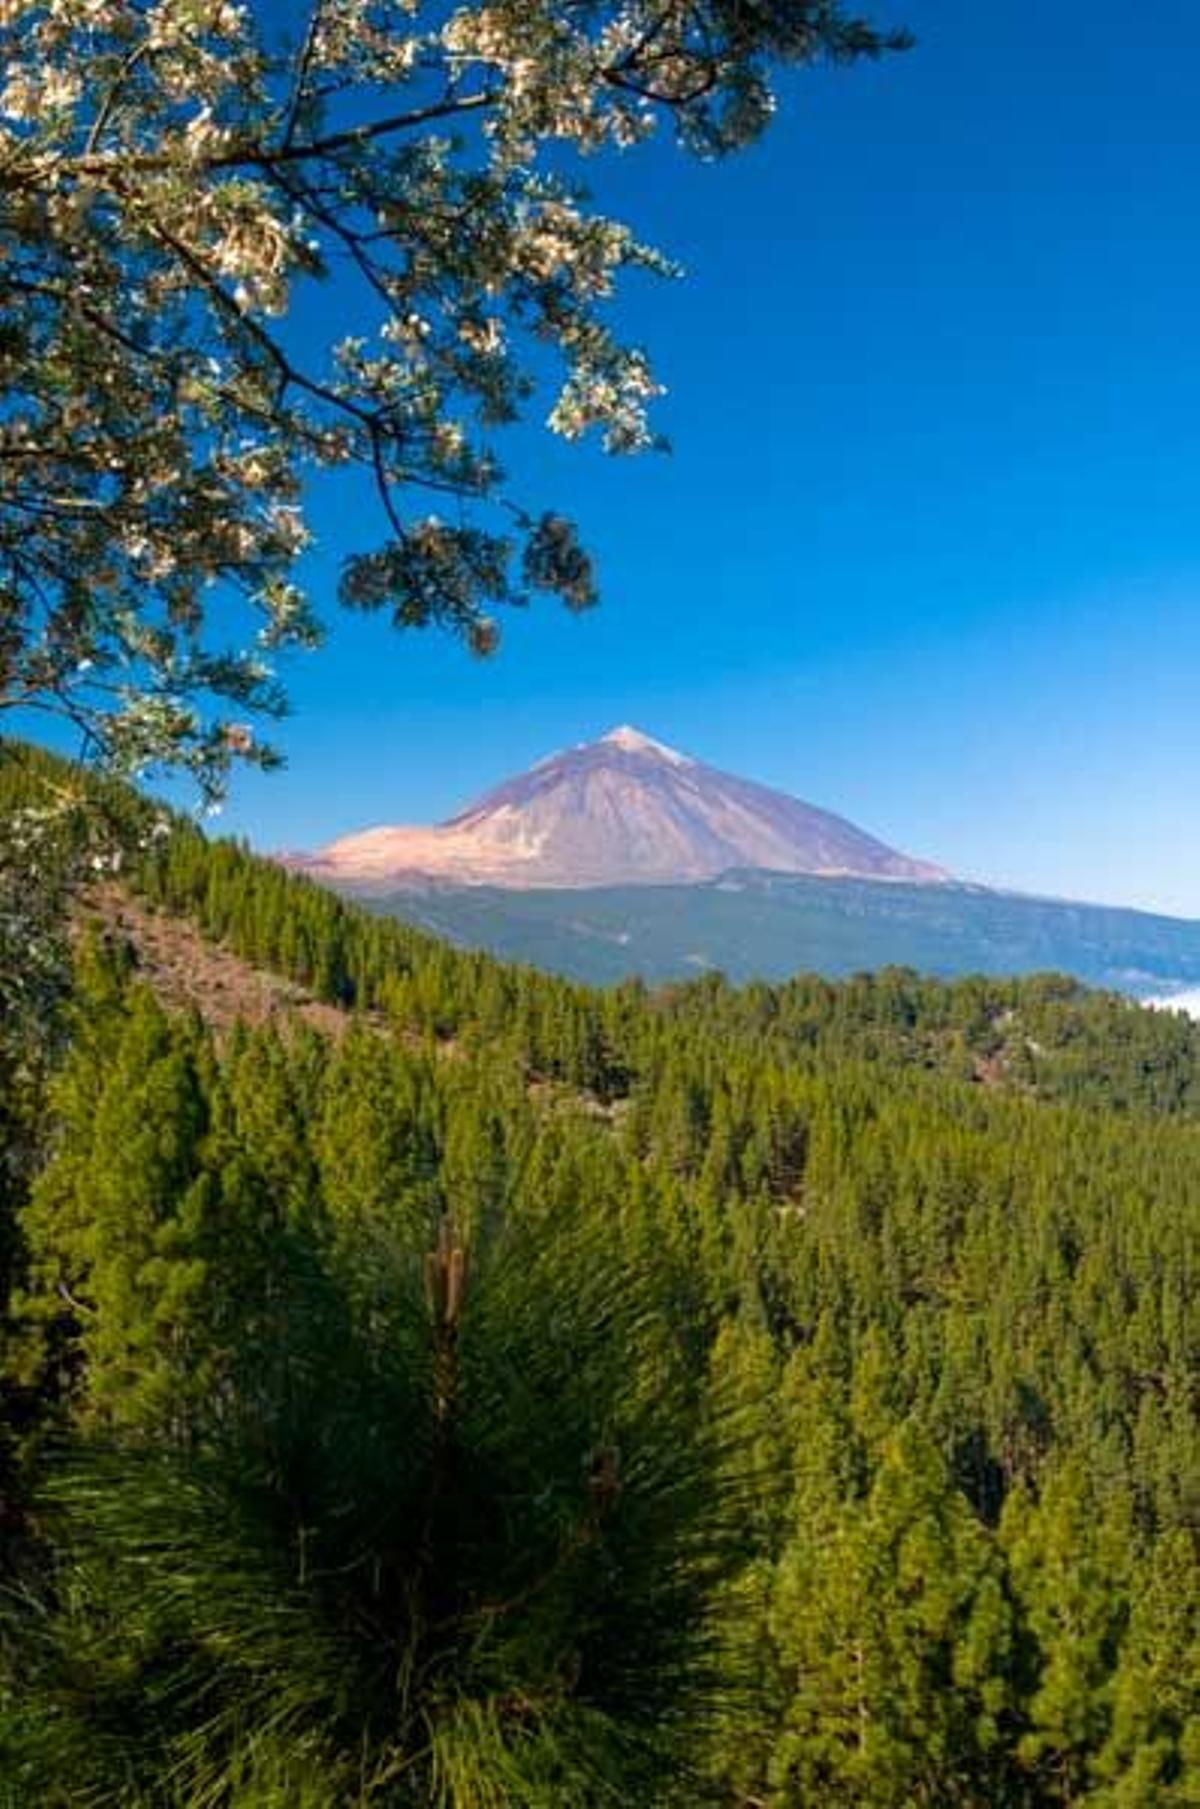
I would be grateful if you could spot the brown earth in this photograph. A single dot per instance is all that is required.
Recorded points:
(190, 973)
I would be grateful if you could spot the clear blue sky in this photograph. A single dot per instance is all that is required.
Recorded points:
(927, 550)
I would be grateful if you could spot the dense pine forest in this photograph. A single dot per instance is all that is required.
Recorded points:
(526, 1395)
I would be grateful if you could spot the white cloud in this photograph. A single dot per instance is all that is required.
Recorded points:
(1188, 1001)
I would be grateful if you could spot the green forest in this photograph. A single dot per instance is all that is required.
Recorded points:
(530, 1395)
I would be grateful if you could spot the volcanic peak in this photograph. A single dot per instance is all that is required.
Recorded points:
(624, 810)
(634, 741)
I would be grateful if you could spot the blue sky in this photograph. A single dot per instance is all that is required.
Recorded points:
(927, 549)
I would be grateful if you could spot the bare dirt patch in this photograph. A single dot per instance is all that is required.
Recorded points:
(190, 973)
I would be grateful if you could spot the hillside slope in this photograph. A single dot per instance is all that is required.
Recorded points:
(334, 1357)
(189, 971)
(809, 1353)
(769, 926)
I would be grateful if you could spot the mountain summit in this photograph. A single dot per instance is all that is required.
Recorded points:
(624, 810)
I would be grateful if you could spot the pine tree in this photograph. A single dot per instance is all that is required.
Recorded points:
(1152, 1754)
(1069, 1558)
(891, 1620)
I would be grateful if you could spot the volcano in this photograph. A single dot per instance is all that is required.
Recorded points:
(623, 811)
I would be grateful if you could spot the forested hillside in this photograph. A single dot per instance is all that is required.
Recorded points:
(763, 925)
(541, 1396)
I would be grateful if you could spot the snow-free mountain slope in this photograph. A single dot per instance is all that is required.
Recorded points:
(771, 926)
(624, 810)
